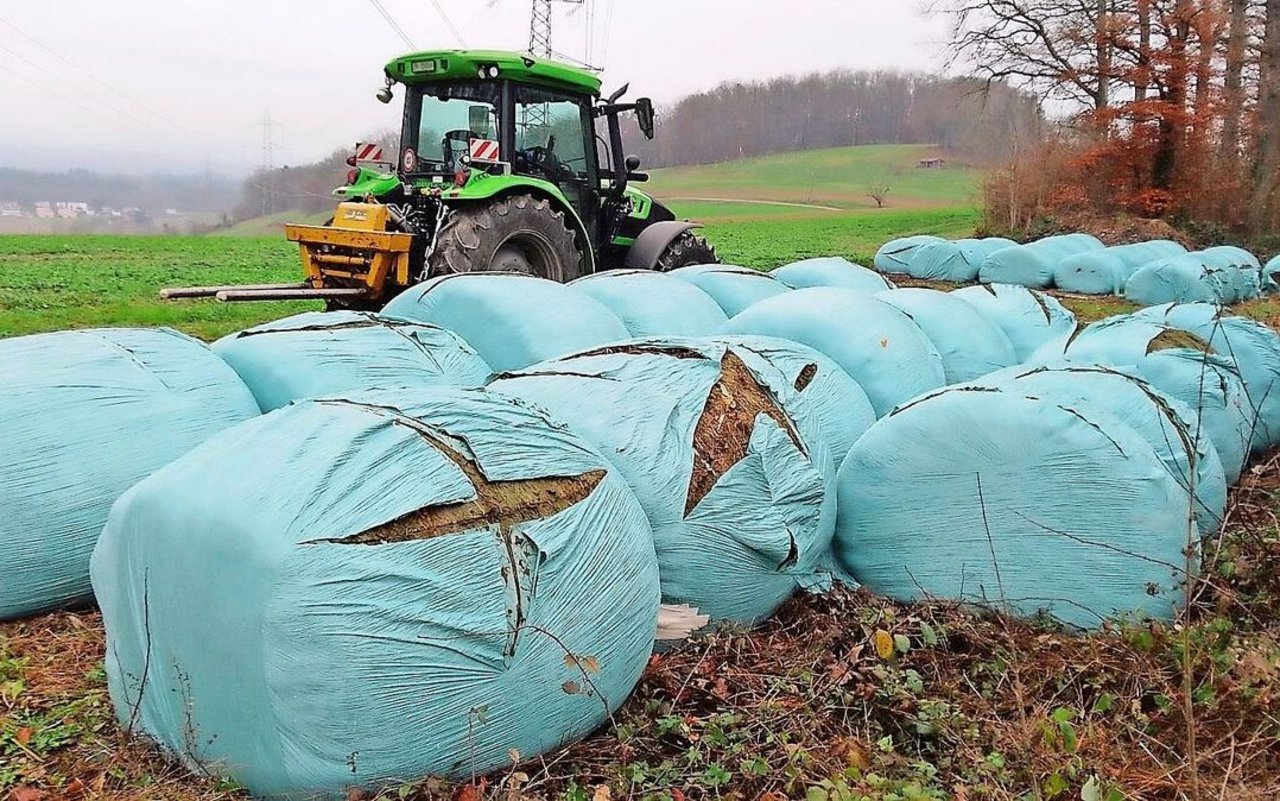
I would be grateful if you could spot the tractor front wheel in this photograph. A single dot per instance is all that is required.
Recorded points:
(686, 250)
(516, 233)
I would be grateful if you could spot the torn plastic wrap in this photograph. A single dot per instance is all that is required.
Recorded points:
(1098, 272)
(998, 498)
(957, 261)
(1253, 348)
(727, 459)
(511, 320)
(878, 345)
(831, 271)
(1182, 279)
(654, 304)
(970, 345)
(1181, 365)
(1270, 284)
(86, 414)
(1028, 318)
(842, 409)
(349, 593)
(1243, 268)
(1167, 423)
(1035, 264)
(1021, 265)
(895, 255)
(733, 288)
(323, 353)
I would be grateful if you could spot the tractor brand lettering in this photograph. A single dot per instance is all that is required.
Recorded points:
(484, 150)
(368, 151)
(355, 214)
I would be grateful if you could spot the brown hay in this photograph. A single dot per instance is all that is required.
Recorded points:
(1172, 338)
(806, 377)
(640, 349)
(501, 503)
(723, 433)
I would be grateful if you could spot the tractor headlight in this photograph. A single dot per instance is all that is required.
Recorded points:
(493, 71)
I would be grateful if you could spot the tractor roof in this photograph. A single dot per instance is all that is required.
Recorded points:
(453, 65)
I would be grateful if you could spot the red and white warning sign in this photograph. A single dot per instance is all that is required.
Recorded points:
(484, 150)
(368, 151)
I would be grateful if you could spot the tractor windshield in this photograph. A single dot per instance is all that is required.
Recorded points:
(442, 119)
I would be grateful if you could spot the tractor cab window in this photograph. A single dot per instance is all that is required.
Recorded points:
(551, 137)
(443, 119)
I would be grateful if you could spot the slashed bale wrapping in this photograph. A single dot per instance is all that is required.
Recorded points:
(895, 255)
(831, 271)
(322, 353)
(733, 288)
(1028, 318)
(1165, 422)
(877, 344)
(654, 304)
(1221, 275)
(841, 407)
(1097, 272)
(1253, 349)
(970, 345)
(726, 457)
(957, 261)
(1270, 284)
(1003, 498)
(1021, 265)
(1181, 365)
(511, 320)
(83, 416)
(402, 583)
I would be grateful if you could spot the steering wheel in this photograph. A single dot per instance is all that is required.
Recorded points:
(544, 158)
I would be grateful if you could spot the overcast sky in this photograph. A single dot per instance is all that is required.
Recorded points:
(156, 85)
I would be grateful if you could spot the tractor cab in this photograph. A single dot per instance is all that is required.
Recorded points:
(506, 162)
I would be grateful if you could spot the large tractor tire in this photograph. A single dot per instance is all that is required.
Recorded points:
(686, 250)
(515, 233)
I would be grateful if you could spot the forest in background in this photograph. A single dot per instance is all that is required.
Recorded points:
(1175, 110)
(979, 122)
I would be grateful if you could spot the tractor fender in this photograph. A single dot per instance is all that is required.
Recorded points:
(651, 243)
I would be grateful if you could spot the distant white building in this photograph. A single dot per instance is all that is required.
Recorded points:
(8, 209)
(44, 210)
(71, 209)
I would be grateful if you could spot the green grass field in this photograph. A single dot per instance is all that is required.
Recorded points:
(54, 282)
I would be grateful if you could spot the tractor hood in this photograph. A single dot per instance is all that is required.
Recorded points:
(454, 65)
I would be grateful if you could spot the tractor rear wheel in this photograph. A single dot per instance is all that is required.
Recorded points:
(684, 251)
(516, 233)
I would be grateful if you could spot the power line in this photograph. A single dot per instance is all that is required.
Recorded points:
(395, 26)
(83, 72)
(125, 116)
(73, 100)
(449, 22)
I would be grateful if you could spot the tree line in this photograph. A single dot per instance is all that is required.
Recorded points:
(1174, 105)
(973, 120)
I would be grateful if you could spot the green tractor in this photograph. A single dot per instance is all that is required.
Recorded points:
(506, 163)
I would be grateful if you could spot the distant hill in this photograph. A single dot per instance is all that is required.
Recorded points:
(838, 178)
(153, 194)
(813, 183)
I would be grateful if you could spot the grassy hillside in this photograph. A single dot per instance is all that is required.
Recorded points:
(839, 178)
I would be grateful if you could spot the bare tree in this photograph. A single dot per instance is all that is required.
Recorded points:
(880, 194)
(1058, 48)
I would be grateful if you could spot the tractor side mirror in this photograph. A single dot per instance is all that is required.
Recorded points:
(645, 116)
(633, 165)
